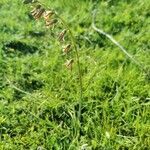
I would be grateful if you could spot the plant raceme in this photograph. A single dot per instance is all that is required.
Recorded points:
(53, 20)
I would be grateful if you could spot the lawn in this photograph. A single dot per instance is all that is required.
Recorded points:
(40, 97)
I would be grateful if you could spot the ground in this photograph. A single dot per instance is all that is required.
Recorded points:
(39, 96)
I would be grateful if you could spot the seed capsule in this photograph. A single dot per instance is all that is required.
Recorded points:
(69, 64)
(66, 49)
(39, 13)
(51, 22)
(61, 35)
(48, 15)
(35, 9)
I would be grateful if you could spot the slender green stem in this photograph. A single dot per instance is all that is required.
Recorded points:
(78, 64)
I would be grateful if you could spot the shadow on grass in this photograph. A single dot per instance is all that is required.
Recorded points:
(17, 46)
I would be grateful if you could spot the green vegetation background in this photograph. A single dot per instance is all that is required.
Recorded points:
(116, 107)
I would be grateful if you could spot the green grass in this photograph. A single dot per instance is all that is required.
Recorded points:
(116, 98)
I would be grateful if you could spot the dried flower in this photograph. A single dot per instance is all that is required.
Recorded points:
(66, 49)
(61, 35)
(69, 64)
(48, 14)
(39, 13)
(36, 9)
(51, 22)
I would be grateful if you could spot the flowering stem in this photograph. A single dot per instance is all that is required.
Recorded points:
(78, 61)
(78, 64)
